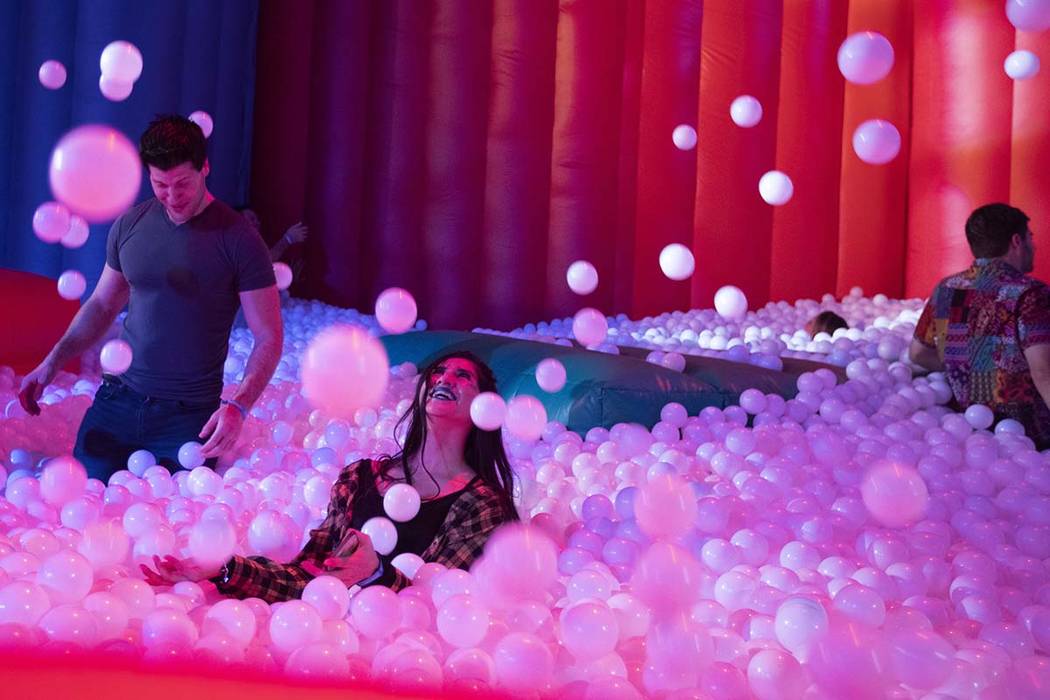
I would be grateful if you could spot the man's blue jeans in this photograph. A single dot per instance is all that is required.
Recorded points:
(121, 421)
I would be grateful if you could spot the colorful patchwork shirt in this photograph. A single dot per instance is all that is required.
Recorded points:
(980, 321)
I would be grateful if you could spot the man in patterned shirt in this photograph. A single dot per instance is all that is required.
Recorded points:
(988, 327)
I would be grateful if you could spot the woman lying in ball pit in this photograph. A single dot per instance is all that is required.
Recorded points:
(465, 496)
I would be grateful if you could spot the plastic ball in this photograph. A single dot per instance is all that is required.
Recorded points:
(401, 503)
(522, 561)
(677, 262)
(52, 74)
(382, 533)
(589, 630)
(294, 625)
(488, 410)
(589, 326)
(799, 623)
(77, 234)
(51, 222)
(121, 60)
(526, 417)
(776, 188)
(876, 141)
(283, 274)
(523, 662)
(550, 375)
(95, 171)
(190, 455)
(462, 621)
(62, 480)
(894, 494)
(329, 597)
(344, 369)
(212, 542)
(115, 356)
(396, 310)
(115, 90)
(581, 277)
(731, 302)
(1029, 15)
(204, 121)
(67, 577)
(684, 137)
(376, 612)
(71, 285)
(979, 417)
(1021, 65)
(745, 111)
(865, 58)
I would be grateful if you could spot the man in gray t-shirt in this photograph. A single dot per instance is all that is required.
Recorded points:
(183, 262)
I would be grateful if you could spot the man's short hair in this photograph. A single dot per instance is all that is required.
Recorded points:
(171, 140)
(990, 228)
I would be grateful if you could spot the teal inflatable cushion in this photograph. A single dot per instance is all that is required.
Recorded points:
(601, 389)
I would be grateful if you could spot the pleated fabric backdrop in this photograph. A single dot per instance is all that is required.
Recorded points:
(470, 150)
(197, 54)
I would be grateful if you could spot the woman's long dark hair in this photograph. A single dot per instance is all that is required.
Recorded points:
(483, 452)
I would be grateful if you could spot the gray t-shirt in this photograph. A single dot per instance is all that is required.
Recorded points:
(185, 281)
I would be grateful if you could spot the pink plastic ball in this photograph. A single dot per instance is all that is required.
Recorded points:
(67, 577)
(71, 285)
(589, 630)
(396, 310)
(677, 262)
(684, 137)
(383, 534)
(233, 618)
(894, 494)
(295, 624)
(1029, 15)
(376, 612)
(328, 596)
(77, 234)
(730, 302)
(401, 503)
(211, 542)
(204, 121)
(168, 629)
(589, 326)
(121, 60)
(115, 356)
(488, 410)
(51, 222)
(523, 663)
(95, 171)
(69, 623)
(876, 141)
(582, 277)
(463, 621)
(23, 602)
(283, 274)
(344, 369)
(550, 375)
(665, 507)
(115, 90)
(526, 417)
(62, 480)
(52, 74)
(745, 111)
(523, 561)
(865, 58)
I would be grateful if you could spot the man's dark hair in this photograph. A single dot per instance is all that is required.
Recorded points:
(171, 140)
(829, 322)
(990, 228)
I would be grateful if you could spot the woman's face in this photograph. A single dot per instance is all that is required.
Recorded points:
(450, 388)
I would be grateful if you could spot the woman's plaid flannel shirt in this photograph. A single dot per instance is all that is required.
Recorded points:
(473, 516)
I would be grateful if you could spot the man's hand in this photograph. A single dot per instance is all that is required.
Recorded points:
(296, 233)
(224, 426)
(33, 385)
(170, 571)
(352, 561)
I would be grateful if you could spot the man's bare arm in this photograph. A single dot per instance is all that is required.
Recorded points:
(1038, 357)
(262, 311)
(90, 323)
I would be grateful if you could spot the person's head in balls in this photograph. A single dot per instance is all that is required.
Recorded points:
(440, 411)
(1001, 231)
(174, 151)
(826, 322)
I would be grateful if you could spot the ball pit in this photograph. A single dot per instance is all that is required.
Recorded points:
(860, 539)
